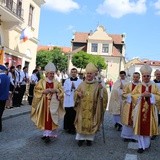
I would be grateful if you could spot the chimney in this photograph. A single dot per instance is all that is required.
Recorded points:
(123, 37)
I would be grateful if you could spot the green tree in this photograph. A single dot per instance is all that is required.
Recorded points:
(43, 57)
(59, 59)
(56, 56)
(98, 61)
(81, 59)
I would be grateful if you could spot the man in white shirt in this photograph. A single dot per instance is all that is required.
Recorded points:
(64, 77)
(70, 85)
(24, 79)
(58, 76)
(16, 95)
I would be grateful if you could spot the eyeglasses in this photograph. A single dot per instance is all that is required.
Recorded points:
(146, 76)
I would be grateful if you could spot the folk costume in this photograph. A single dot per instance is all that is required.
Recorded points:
(33, 82)
(145, 119)
(126, 113)
(70, 85)
(46, 107)
(89, 108)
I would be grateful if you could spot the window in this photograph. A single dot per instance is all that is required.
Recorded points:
(19, 7)
(94, 47)
(105, 48)
(9, 4)
(30, 19)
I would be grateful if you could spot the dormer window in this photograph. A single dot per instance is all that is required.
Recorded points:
(105, 48)
(94, 47)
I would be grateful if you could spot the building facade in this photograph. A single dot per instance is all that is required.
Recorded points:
(135, 64)
(109, 46)
(15, 17)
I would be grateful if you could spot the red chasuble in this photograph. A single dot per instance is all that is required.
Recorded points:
(145, 113)
(130, 121)
(48, 119)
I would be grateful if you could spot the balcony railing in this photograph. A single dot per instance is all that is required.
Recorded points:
(13, 7)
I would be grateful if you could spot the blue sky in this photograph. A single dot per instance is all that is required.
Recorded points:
(138, 19)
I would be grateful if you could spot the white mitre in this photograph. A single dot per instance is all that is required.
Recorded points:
(50, 67)
(146, 70)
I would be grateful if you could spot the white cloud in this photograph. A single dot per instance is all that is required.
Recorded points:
(63, 6)
(157, 7)
(119, 8)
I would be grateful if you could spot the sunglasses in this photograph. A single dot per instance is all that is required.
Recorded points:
(146, 76)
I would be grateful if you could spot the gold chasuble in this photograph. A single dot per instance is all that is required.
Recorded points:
(145, 120)
(46, 109)
(115, 102)
(126, 111)
(90, 108)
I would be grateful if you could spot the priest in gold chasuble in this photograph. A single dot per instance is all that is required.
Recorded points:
(115, 102)
(46, 105)
(127, 107)
(146, 97)
(90, 107)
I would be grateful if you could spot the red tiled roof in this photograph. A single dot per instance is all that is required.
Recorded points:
(80, 37)
(45, 48)
(83, 36)
(117, 38)
(115, 52)
(150, 62)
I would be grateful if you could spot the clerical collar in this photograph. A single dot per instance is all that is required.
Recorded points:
(135, 83)
(157, 81)
(73, 79)
(93, 81)
(48, 80)
(146, 84)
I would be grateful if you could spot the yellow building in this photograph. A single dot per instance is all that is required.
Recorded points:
(109, 46)
(16, 16)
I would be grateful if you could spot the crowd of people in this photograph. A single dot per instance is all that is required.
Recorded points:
(78, 101)
(135, 106)
(82, 103)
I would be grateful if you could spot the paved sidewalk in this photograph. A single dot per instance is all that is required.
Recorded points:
(17, 111)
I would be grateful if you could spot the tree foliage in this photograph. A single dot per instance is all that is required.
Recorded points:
(81, 59)
(56, 56)
(98, 61)
(43, 57)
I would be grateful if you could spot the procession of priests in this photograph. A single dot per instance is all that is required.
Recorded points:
(82, 104)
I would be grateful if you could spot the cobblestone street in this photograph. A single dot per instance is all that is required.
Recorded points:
(20, 140)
